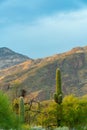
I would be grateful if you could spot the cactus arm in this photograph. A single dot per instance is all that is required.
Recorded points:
(58, 81)
(21, 109)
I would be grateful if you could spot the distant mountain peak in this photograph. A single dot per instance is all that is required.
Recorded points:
(10, 58)
(5, 50)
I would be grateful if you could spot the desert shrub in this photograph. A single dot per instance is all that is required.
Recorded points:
(8, 119)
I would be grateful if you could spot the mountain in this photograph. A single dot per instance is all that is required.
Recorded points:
(37, 77)
(10, 58)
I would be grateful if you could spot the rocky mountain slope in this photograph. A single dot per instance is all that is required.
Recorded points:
(37, 77)
(9, 58)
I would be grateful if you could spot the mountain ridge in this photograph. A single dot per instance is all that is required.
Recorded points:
(38, 76)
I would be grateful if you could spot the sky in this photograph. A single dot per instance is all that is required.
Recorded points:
(42, 28)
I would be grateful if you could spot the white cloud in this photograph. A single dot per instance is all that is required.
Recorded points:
(49, 35)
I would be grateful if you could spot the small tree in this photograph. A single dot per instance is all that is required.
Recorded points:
(8, 119)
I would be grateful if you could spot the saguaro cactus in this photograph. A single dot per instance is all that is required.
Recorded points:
(58, 96)
(21, 109)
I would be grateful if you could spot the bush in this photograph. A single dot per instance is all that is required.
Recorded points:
(8, 119)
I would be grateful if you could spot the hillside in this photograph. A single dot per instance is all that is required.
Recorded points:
(38, 76)
(10, 58)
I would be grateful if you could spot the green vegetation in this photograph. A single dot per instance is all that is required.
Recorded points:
(70, 111)
(58, 94)
(8, 119)
(74, 113)
(58, 97)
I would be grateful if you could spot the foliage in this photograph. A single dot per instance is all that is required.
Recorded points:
(15, 105)
(74, 111)
(25, 127)
(7, 118)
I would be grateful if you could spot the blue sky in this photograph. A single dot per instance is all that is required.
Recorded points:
(41, 28)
